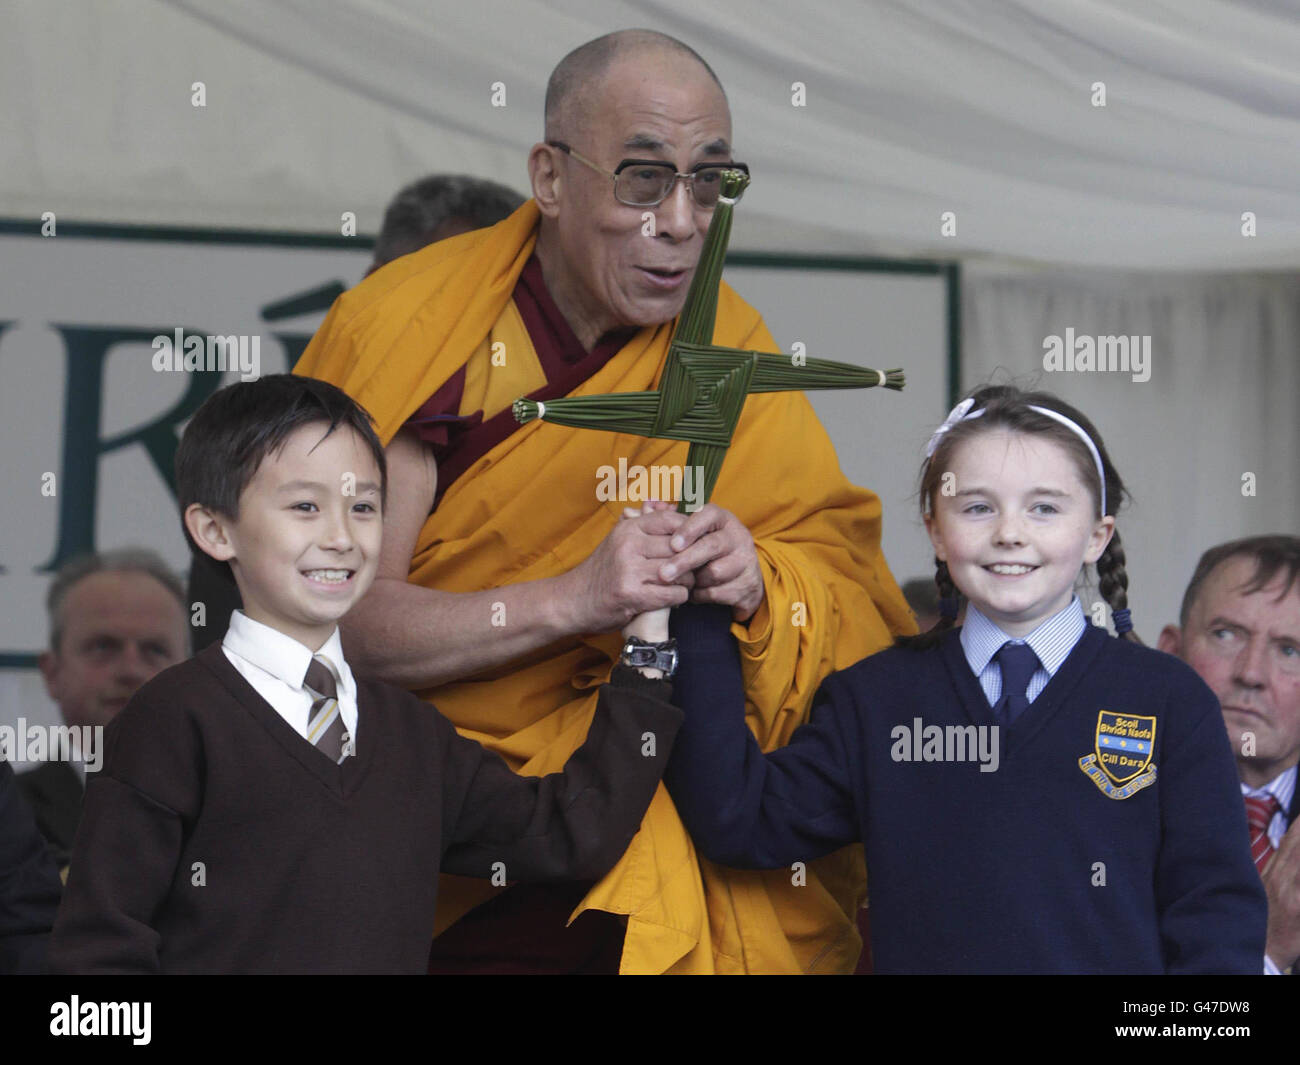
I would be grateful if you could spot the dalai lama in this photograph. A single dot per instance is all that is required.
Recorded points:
(504, 579)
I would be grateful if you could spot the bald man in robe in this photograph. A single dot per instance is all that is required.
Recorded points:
(506, 575)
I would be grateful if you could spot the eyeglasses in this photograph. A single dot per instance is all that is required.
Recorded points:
(648, 182)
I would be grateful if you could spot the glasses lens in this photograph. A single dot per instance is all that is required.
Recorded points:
(707, 185)
(645, 184)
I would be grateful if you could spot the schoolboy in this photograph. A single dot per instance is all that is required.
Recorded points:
(260, 809)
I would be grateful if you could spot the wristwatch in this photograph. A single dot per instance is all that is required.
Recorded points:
(638, 653)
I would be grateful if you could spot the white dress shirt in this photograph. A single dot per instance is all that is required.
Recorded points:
(276, 666)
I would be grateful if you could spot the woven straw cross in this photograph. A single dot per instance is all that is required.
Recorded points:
(703, 387)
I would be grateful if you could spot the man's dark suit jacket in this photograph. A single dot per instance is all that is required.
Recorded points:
(54, 791)
(29, 884)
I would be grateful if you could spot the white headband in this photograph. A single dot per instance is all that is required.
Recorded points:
(963, 413)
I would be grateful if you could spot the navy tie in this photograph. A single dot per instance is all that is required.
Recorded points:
(1018, 663)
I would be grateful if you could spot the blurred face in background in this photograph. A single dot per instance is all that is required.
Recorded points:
(1246, 647)
(117, 630)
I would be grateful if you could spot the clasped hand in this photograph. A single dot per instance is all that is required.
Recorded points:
(656, 558)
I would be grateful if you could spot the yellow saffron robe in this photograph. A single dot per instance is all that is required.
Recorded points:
(528, 509)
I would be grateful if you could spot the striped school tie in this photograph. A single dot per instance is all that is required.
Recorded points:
(1259, 812)
(325, 729)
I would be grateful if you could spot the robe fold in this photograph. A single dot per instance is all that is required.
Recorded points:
(529, 508)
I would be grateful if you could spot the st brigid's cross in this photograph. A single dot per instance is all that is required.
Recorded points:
(703, 387)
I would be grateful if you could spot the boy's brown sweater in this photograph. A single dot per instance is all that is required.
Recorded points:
(216, 839)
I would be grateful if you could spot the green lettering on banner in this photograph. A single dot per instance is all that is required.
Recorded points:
(294, 345)
(87, 349)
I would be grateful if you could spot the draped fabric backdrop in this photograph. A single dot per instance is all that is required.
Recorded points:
(1221, 402)
(910, 108)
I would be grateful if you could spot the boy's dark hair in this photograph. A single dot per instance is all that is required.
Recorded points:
(1271, 554)
(236, 428)
(1007, 407)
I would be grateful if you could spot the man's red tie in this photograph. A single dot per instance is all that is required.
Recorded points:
(1259, 812)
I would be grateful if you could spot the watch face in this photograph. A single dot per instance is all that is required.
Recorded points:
(654, 656)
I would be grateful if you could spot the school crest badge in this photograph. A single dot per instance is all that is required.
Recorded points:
(1120, 763)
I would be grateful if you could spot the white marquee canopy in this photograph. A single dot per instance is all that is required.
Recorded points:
(984, 108)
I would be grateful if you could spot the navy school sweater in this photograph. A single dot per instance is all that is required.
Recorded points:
(1038, 865)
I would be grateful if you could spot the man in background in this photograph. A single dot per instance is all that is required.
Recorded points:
(29, 884)
(116, 619)
(437, 207)
(1239, 628)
